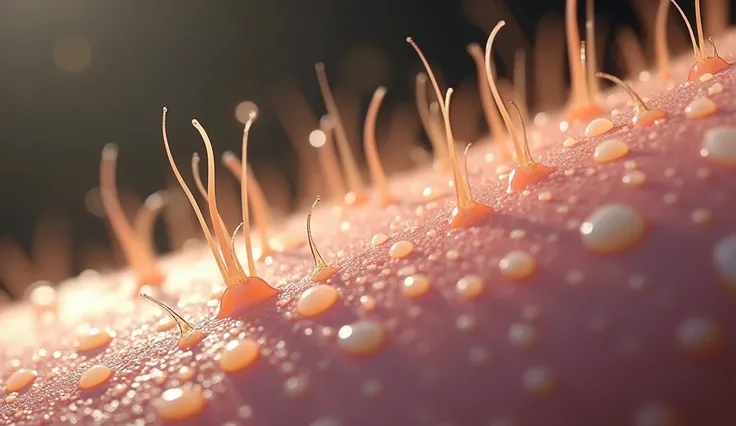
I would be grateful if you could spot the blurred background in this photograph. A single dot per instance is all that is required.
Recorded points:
(76, 75)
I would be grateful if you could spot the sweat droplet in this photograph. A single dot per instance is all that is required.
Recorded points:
(469, 287)
(700, 107)
(612, 228)
(401, 249)
(379, 239)
(178, 404)
(94, 377)
(20, 379)
(238, 354)
(700, 337)
(724, 259)
(315, 300)
(719, 146)
(610, 150)
(362, 337)
(517, 265)
(634, 178)
(415, 286)
(598, 127)
(93, 339)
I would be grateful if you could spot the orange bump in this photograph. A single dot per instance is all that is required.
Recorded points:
(706, 66)
(521, 177)
(465, 217)
(584, 112)
(646, 118)
(237, 298)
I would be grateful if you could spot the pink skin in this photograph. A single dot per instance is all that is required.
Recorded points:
(611, 348)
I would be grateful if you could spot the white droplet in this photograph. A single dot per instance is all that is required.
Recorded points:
(569, 142)
(598, 127)
(379, 239)
(700, 107)
(517, 265)
(705, 77)
(715, 89)
(724, 259)
(362, 337)
(612, 228)
(610, 150)
(719, 145)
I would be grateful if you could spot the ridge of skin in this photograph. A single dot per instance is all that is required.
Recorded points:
(612, 349)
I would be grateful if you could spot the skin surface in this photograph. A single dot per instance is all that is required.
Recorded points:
(609, 343)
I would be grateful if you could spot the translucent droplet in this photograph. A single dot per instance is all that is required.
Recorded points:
(612, 228)
(238, 354)
(362, 337)
(95, 376)
(401, 249)
(517, 265)
(316, 300)
(179, 404)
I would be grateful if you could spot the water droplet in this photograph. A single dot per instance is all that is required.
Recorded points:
(379, 239)
(401, 249)
(598, 127)
(469, 287)
(372, 387)
(715, 89)
(569, 142)
(93, 339)
(700, 107)
(719, 146)
(42, 295)
(95, 376)
(20, 379)
(544, 196)
(367, 302)
(362, 337)
(575, 278)
(670, 198)
(415, 286)
(179, 404)
(539, 380)
(185, 373)
(316, 300)
(452, 254)
(238, 354)
(634, 178)
(612, 228)
(701, 217)
(523, 335)
(610, 150)
(517, 234)
(465, 322)
(296, 386)
(700, 337)
(517, 265)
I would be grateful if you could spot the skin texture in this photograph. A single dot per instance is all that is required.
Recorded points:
(610, 345)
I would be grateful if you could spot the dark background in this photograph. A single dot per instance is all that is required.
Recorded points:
(201, 59)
